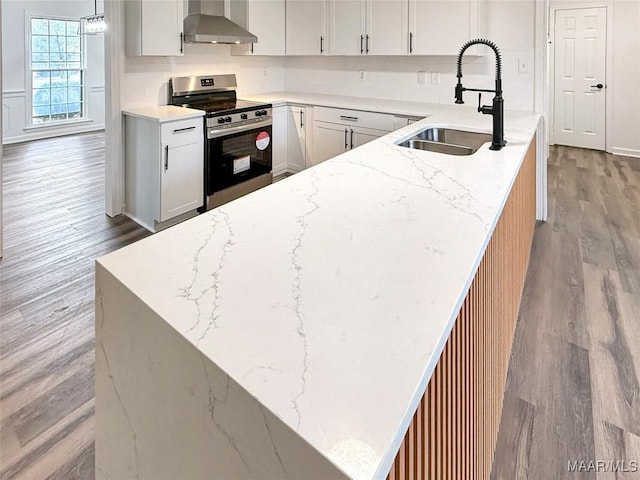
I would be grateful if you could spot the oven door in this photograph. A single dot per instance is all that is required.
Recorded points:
(233, 158)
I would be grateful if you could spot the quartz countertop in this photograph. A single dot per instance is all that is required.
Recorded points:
(395, 107)
(329, 295)
(164, 113)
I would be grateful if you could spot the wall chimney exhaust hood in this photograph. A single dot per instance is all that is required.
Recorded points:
(213, 26)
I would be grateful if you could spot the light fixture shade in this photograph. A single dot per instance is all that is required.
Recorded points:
(92, 24)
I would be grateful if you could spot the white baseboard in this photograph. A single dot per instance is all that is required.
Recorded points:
(626, 152)
(41, 134)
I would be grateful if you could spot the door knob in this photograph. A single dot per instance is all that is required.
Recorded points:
(599, 86)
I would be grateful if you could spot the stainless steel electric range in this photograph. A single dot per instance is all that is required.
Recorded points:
(237, 152)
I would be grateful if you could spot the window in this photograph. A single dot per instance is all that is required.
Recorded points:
(57, 70)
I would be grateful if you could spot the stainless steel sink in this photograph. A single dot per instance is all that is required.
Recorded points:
(447, 141)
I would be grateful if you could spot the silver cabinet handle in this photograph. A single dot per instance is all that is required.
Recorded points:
(367, 42)
(361, 44)
(346, 132)
(252, 48)
(166, 158)
(183, 130)
(410, 42)
(321, 44)
(181, 42)
(301, 120)
(352, 138)
(347, 117)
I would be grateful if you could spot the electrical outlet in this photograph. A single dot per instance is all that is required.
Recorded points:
(422, 78)
(435, 78)
(362, 76)
(523, 66)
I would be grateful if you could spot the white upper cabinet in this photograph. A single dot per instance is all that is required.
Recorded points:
(153, 27)
(441, 27)
(368, 27)
(347, 27)
(387, 25)
(266, 20)
(306, 27)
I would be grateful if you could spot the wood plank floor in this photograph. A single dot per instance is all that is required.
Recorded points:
(573, 388)
(54, 229)
(572, 391)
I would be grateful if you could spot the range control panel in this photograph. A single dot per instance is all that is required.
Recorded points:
(206, 82)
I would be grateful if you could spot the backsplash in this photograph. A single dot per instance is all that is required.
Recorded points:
(145, 79)
(397, 77)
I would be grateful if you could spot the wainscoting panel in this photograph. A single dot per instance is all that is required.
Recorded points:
(15, 107)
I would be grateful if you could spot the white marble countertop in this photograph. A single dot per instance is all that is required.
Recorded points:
(164, 113)
(395, 107)
(329, 295)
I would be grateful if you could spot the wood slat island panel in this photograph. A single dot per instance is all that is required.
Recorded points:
(453, 432)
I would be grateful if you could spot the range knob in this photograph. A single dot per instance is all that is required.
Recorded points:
(244, 116)
(263, 112)
(227, 119)
(258, 113)
(220, 120)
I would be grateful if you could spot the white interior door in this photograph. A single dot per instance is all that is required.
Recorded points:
(579, 71)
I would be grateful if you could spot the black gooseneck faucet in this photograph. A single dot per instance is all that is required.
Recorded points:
(497, 107)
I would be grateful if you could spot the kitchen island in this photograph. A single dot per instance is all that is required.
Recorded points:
(351, 321)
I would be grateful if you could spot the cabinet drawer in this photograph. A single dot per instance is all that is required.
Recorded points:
(181, 131)
(379, 121)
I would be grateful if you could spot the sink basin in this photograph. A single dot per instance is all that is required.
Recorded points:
(447, 141)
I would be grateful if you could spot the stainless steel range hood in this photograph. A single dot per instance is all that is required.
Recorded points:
(213, 26)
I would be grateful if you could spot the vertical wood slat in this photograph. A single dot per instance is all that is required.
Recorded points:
(454, 430)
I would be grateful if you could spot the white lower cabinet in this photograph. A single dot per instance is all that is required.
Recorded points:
(332, 139)
(296, 138)
(289, 152)
(329, 140)
(164, 170)
(279, 149)
(337, 130)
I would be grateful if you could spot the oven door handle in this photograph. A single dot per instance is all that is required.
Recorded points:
(213, 133)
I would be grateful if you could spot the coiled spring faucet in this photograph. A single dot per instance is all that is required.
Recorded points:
(497, 107)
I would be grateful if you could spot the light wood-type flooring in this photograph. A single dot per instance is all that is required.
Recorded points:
(573, 388)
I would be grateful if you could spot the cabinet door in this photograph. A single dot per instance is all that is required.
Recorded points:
(161, 24)
(297, 139)
(306, 27)
(346, 27)
(182, 178)
(387, 27)
(280, 140)
(266, 20)
(360, 136)
(329, 140)
(439, 27)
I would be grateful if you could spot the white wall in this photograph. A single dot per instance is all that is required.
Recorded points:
(144, 80)
(509, 23)
(15, 103)
(623, 92)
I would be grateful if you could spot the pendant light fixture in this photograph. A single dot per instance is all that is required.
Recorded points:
(93, 24)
